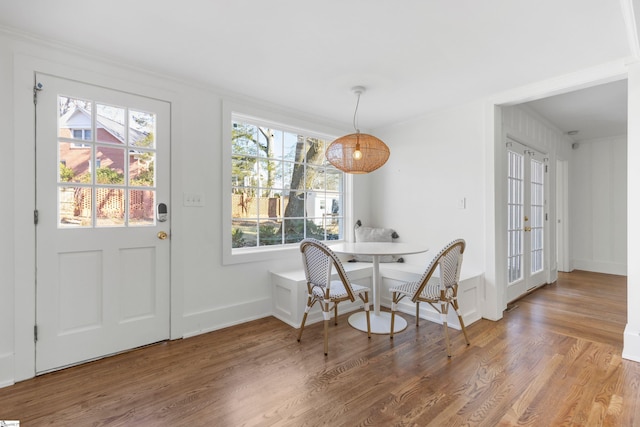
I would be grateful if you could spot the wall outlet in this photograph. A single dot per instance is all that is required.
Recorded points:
(462, 203)
(192, 199)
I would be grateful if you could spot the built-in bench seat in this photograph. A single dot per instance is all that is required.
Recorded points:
(289, 290)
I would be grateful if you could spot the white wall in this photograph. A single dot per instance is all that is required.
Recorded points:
(436, 161)
(6, 217)
(598, 205)
(631, 348)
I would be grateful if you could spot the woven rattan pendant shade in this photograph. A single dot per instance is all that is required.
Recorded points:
(357, 152)
(374, 153)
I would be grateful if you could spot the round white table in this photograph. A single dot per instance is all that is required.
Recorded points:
(380, 321)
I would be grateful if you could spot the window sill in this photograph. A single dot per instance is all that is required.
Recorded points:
(246, 255)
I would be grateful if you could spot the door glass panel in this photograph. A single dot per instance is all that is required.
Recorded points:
(537, 215)
(127, 147)
(74, 206)
(109, 165)
(74, 118)
(515, 206)
(142, 127)
(110, 205)
(110, 125)
(75, 162)
(141, 207)
(142, 168)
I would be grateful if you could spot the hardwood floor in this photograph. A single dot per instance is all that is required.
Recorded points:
(552, 360)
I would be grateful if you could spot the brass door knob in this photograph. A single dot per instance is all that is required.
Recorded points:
(527, 229)
(162, 235)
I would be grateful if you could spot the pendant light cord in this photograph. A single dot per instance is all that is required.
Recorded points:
(355, 114)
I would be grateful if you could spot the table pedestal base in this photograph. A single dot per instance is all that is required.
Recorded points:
(380, 323)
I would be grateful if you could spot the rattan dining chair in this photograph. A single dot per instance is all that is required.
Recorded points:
(319, 264)
(441, 289)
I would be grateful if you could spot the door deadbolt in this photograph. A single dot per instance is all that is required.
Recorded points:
(162, 213)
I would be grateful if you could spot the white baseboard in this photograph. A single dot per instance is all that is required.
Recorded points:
(600, 266)
(223, 317)
(631, 349)
(7, 376)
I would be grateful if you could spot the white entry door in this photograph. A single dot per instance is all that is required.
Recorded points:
(526, 219)
(102, 233)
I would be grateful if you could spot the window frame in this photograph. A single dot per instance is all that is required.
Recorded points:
(285, 121)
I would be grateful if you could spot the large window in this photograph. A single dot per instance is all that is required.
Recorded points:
(282, 188)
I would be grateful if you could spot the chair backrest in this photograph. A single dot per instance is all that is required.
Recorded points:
(449, 260)
(318, 260)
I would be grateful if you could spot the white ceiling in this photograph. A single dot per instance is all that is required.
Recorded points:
(414, 56)
(596, 112)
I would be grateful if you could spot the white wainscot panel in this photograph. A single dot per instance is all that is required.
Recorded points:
(290, 294)
(470, 293)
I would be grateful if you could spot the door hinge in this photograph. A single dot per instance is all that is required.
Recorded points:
(36, 88)
(35, 216)
(35, 332)
(546, 168)
(546, 217)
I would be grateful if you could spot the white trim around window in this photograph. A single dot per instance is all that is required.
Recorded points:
(284, 121)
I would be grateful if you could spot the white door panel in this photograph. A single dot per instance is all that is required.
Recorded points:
(102, 271)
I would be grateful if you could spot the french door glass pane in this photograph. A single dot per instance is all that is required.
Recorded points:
(515, 203)
(537, 215)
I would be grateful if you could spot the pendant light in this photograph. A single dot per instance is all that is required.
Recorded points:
(357, 153)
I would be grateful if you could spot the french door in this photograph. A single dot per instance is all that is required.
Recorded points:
(526, 219)
(102, 229)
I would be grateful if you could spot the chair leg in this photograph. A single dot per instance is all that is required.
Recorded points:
(304, 319)
(310, 303)
(326, 314)
(454, 303)
(326, 337)
(335, 313)
(444, 308)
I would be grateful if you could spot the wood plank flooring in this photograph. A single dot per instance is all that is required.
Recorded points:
(554, 360)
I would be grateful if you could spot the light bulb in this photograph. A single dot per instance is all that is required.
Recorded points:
(357, 155)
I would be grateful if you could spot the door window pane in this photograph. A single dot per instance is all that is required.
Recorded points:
(126, 148)
(142, 168)
(537, 215)
(110, 205)
(75, 206)
(142, 129)
(142, 207)
(109, 165)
